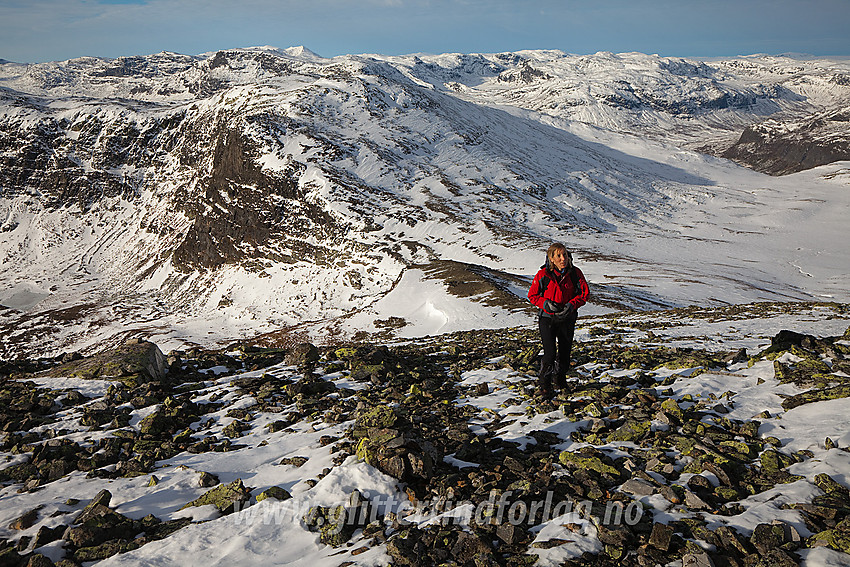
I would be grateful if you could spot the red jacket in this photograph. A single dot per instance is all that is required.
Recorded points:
(560, 289)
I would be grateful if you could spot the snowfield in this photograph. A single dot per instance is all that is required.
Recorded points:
(246, 191)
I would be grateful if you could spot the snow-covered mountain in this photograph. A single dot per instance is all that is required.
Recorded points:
(197, 199)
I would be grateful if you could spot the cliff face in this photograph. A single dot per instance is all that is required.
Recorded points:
(780, 147)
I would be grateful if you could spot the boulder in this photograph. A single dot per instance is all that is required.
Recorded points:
(134, 363)
(275, 492)
(302, 355)
(225, 497)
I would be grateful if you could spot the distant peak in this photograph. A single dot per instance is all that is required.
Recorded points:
(301, 51)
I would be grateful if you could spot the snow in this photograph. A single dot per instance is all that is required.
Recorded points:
(417, 159)
(414, 172)
(271, 532)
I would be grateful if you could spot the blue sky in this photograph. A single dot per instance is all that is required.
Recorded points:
(48, 30)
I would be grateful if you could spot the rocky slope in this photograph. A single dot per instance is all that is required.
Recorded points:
(369, 454)
(781, 147)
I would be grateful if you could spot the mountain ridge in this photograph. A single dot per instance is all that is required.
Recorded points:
(263, 188)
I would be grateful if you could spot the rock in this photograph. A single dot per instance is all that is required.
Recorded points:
(589, 461)
(767, 537)
(778, 558)
(697, 560)
(785, 339)
(738, 356)
(46, 535)
(595, 409)
(699, 483)
(468, 547)
(837, 538)
(831, 486)
(421, 465)
(509, 533)
(671, 408)
(632, 431)
(157, 423)
(275, 492)
(235, 428)
(380, 417)
(472, 451)
(310, 387)
(9, 557)
(331, 523)
(207, 480)
(225, 497)
(84, 536)
(730, 540)
(404, 550)
(278, 425)
(294, 461)
(774, 461)
(134, 363)
(661, 536)
(96, 507)
(25, 520)
(38, 560)
(104, 550)
(638, 487)
(302, 355)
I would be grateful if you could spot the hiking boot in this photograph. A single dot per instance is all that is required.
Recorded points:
(561, 382)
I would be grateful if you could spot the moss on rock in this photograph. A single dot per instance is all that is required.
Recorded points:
(224, 497)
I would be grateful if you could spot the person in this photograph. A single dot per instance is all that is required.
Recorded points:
(559, 289)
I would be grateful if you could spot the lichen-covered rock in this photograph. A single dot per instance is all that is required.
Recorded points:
(632, 430)
(774, 461)
(134, 363)
(817, 395)
(830, 486)
(156, 423)
(837, 538)
(376, 417)
(599, 463)
(333, 524)
(275, 492)
(104, 550)
(225, 497)
(767, 537)
(302, 355)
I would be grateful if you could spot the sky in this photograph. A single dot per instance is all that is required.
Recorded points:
(33, 31)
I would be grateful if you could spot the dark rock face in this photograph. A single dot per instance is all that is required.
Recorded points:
(779, 148)
(233, 205)
(233, 212)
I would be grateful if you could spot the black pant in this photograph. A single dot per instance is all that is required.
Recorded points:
(550, 332)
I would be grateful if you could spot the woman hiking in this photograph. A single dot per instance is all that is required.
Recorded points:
(558, 290)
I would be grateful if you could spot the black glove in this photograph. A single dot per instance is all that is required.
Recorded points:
(564, 313)
(551, 307)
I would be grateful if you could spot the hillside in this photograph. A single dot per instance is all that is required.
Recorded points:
(194, 200)
(701, 436)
